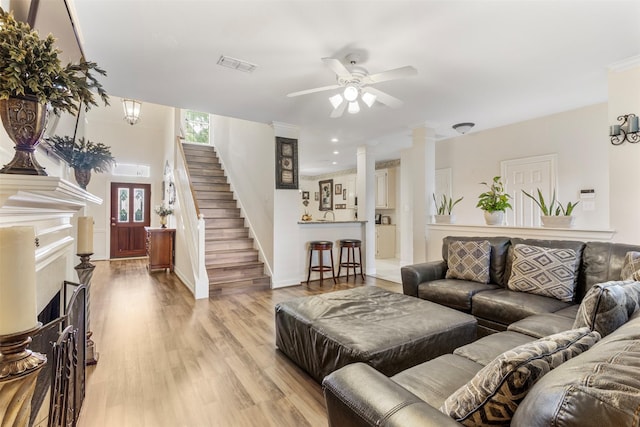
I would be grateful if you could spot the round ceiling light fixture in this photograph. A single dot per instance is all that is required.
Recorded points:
(351, 92)
(463, 127)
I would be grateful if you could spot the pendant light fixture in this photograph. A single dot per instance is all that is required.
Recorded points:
(131, 110)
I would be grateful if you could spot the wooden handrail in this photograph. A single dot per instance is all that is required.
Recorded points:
(186, 169)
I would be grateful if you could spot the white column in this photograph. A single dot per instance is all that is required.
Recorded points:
(288, 251)
(406, 207)
(624, 159)
(423, 170)
(365, 182)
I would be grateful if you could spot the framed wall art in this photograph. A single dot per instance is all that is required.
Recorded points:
(286, 163)
(305, 195)
(338, 189)
(326, 195)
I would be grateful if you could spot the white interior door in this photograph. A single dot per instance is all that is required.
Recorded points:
(528, 174)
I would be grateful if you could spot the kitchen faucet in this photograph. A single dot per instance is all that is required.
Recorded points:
(333, 215)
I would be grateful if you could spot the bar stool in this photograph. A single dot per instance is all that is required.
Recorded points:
(321, 246)
(351, 245)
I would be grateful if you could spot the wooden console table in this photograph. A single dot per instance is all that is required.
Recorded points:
(160, 247)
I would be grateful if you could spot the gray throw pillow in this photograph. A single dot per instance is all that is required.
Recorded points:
(469, 260)
(492, 396)
(607, 306)
(631, 266)
(542, 271)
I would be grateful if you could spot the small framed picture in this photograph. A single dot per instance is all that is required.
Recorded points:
(338, 189)
(326, 196)
(316, 196)
(305, 195)
(344, 194)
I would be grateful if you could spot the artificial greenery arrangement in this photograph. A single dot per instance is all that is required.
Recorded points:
(549, 210)
(163, 210)
(83, 154)
(30, 65)
(446, 205)
(495, 199)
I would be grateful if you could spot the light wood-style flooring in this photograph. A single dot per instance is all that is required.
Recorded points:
(168, 360)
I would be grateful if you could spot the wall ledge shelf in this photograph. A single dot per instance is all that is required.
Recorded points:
(533, 232)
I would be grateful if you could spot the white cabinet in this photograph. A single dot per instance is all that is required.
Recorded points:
(385, 241)
(385, 189)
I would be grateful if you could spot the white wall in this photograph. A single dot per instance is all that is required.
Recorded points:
(143, 143)
(624, 160)
(578, 138)
(247, 152)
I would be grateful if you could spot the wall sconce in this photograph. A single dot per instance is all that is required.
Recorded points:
(627, 130)
(131, 110)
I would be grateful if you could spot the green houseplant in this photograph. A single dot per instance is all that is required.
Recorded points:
(444, 209)
(83, 156)
(494, 202)
(552, 215)
(33, 81)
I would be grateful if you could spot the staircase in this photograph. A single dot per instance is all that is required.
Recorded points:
(231, 260)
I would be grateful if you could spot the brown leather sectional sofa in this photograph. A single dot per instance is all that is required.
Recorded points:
(600, 387)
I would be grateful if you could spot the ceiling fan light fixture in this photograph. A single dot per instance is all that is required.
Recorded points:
(354, 107)
(351, 92)
(369, 99)
(336, 100)
(463, 127)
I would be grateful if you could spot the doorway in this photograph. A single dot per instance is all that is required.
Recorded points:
(130, 213)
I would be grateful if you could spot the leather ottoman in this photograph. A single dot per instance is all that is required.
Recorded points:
(389, 331)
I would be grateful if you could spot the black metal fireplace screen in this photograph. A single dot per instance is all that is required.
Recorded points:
(63, 341)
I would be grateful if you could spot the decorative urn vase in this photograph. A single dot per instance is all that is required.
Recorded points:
(83, 176)
(494, 218)
(163, 222)
(25, 120)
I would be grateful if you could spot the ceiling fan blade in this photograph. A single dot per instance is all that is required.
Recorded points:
(383, 97)
(397, 73)
(318, 89)
(337, 112)
(338, 68)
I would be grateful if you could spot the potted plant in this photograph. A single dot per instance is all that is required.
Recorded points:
(83, 156)
(444, 208)
(164, 211)
(494, 202)
(553, 216)
(33, 82)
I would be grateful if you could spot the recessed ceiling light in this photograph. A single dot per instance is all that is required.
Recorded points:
(336, 152)
(334, 139)
(334, 163)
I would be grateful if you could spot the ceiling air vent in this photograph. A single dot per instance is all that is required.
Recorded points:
(236, 64)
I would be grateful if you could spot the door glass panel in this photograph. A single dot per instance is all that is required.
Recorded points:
(138, 205)
(123, 205)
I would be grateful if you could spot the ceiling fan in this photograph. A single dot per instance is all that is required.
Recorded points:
(356, 82)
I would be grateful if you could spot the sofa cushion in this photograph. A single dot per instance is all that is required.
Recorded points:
(469, 261)
(631, 266)
(505, 307)
(487, 348)
(493, 395)
(435, 380)
(541, 325)
(544, 271)
(497, 263)
(597, 388)
(453, 293)
(607, 306)
(569, 312)
(601, 262)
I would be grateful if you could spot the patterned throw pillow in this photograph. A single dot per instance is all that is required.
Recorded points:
(469, 260)
(607, 306)
(631, 266)
(544, 271)
(492, 396)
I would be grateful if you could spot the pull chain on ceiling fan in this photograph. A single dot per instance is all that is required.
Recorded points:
(356, 83)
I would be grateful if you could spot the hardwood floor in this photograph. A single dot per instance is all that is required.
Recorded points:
(168, 360)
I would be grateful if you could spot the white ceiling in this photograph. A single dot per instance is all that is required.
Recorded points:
(488, 62)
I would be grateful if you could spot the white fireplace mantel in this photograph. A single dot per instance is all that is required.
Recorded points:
(49, 204)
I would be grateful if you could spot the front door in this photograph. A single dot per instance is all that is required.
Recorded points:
(130, 205)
